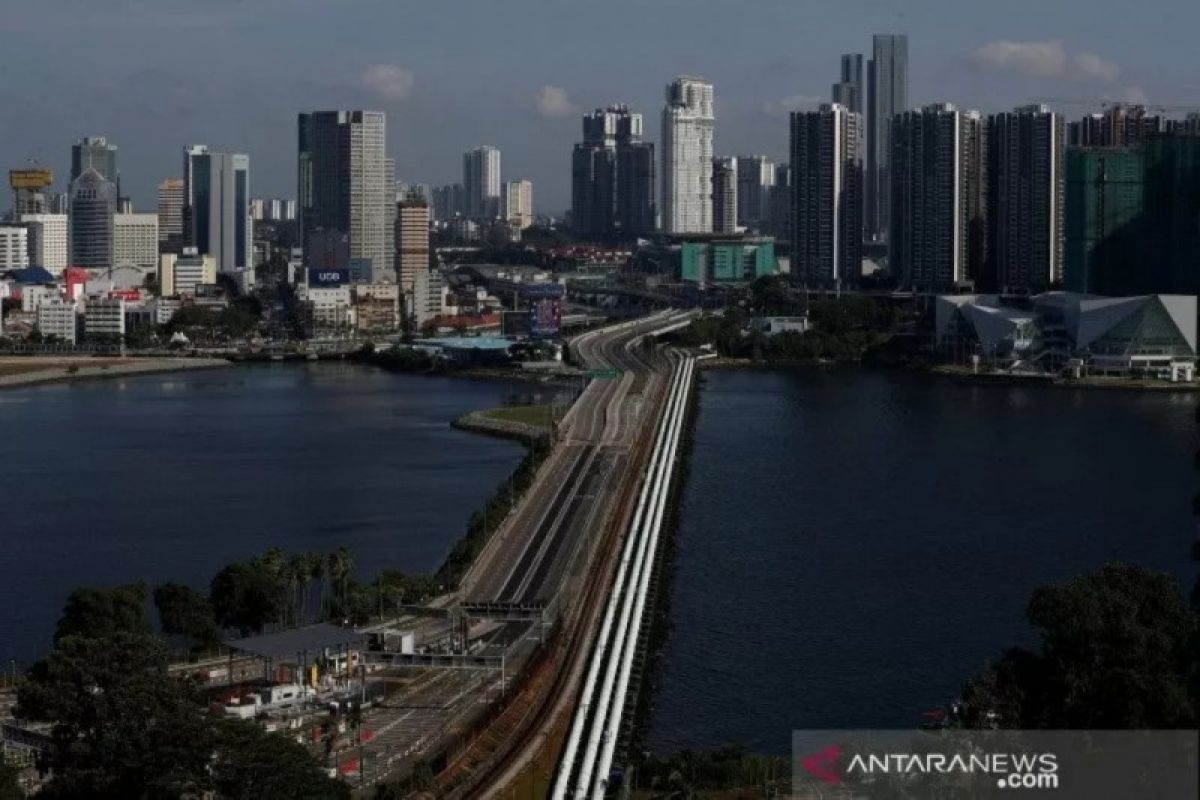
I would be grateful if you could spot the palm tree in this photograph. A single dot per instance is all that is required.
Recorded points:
(298, 574)
(318, 569)
(341, 564)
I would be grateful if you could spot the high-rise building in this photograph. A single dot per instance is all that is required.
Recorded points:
(14, 247)
(170, 215)
(412, 240)
(216, 194)
(1121, 125)
(780, 221)
(612, 176)
(93, 203)
(1131, 218)
(687, 152)
(135, 240)
(1105, 200)
(518, 203)
(848, 91)
(938, 222)
(755, 179)
(345, 183)
(1025, 200)
(48, 247)
(724, 194)
(826, 161)
(97, 153)
(481, 182)
(447, 202)
(887, 96)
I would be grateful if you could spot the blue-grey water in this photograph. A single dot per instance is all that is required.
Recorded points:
(854, 545)
(170, 477)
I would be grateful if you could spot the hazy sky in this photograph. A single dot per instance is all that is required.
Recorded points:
(153, 75)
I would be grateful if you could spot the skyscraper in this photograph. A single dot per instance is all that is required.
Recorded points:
(1105, 203)
(344, 183)
(170, 215)
(887, 96)
(481, 182)
(848, 91)
(518, 203)
(412, 240)
(755, 179)
(724, 194)
(826, 160)
(1025, 200)
(687, 151)
(97, 153)
(93, 203)
(612, 176)
(216, 195)
(938, 197)
(781, 224)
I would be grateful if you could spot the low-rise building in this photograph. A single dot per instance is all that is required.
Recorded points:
(104, 316)
(34, 294)
(377, 306)
(734, 260)
(1144, 336)
(180, 275)
(329, 307)
(56, 319)
(428, 298)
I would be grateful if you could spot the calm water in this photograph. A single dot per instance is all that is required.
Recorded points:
(171, 477)
(854, 545)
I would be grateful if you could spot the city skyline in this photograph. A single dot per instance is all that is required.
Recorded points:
(439, 110)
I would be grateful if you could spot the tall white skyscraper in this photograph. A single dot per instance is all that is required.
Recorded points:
(687, 153)
(47, 241)
(216, 196)
(481, 182)
(347, 184)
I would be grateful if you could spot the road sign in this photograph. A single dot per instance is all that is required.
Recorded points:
(605, 374)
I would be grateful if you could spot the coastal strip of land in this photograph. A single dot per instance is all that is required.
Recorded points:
(16, 371)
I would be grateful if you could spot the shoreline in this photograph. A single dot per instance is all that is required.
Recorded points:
(78, 369)
(964, 376)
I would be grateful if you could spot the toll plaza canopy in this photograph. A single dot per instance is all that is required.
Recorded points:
(310, 641)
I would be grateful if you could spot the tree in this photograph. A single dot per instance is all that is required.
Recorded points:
(10, 787)
(100, 612)
(121, 725)
(251, 763)
(246, 597)
(182, 611)
(340, 565)
(1117, 652)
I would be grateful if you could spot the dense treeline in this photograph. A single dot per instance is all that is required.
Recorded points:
(123, 726)
(845, 329)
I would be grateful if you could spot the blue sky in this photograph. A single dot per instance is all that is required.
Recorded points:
(153, 75)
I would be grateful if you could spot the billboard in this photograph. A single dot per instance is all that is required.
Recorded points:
(325, 277)
(545, 318)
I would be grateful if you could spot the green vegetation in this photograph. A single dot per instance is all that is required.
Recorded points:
(1119, 650)
(182, 611)
(841, 330)
(99, 613)
(729, 771)
(122, 726)
(10, 786)
(404, 359)
(537, 416)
